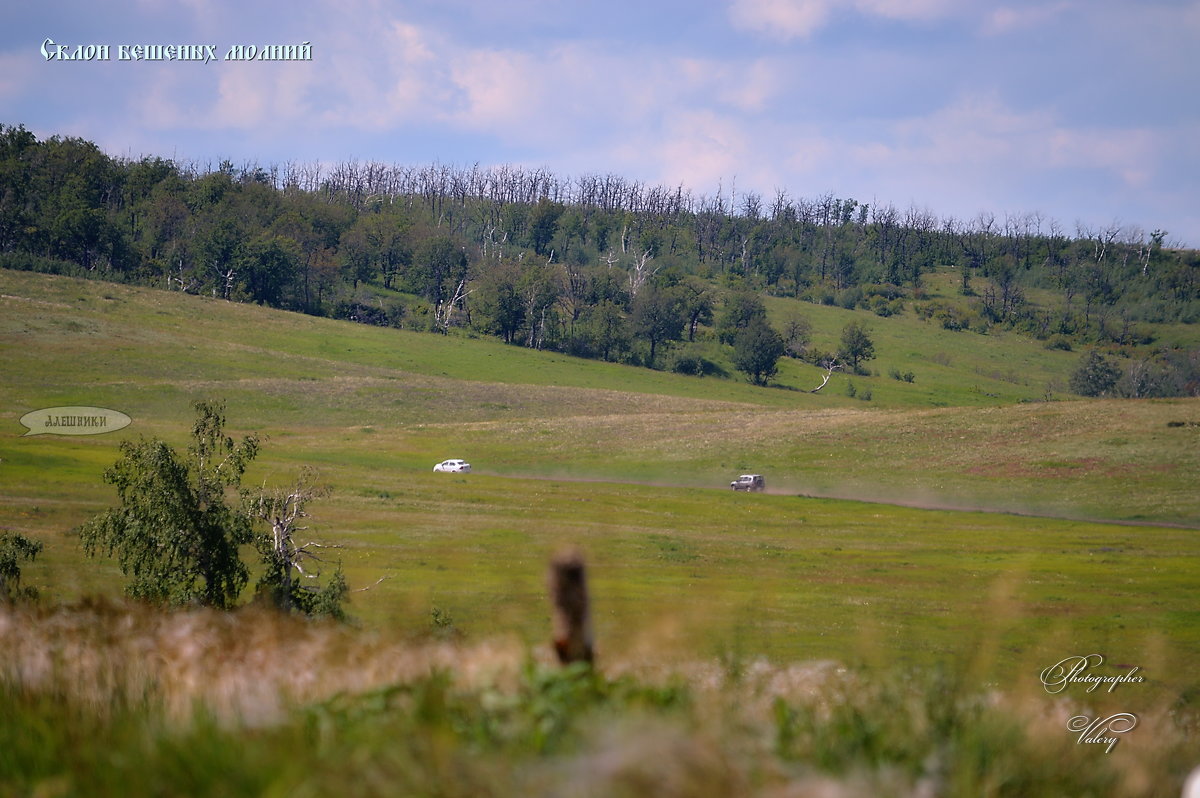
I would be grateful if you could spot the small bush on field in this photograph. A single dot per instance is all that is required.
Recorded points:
(441, 623)
(849, 298)
(1059, 342)
(366, 309)
(881, 306)
(14, 549)
(695, 365)
(950, 316)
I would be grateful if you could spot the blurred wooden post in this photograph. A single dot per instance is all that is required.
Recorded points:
(572, 618)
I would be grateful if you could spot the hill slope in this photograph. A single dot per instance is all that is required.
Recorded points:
(419, 398)
(632, 465)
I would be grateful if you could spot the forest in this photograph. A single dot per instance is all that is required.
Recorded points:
(595, 266)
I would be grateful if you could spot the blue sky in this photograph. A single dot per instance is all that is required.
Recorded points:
(1085, 112)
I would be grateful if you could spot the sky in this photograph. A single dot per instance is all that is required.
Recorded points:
(1081, 113)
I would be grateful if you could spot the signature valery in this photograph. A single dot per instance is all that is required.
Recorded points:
(1077, 670)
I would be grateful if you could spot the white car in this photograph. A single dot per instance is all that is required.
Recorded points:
(453, 467)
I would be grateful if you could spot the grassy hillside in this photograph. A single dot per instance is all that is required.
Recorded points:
(630, 461)
(383, 399)
(695, 587)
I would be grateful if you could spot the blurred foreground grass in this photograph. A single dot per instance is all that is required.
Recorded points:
(108, 699)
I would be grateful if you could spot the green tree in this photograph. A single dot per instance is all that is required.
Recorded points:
(570, 227)
(543, 225)
(608, 330)
(266, 267)
(174, 534)
(797, 336)
(857, 346)
(1094, 376)
(16, 208)
(14, 548)
(741, 309)
(218, 247)
(438, 265)
(697, 303)
(657, 316)
(539, 286)
(498, 307)
(377, 244)
(756, 351)
(79, 232)
(358, 255)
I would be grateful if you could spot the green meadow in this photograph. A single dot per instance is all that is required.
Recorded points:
(976, 520)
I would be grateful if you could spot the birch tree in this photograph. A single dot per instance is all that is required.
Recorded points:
(174, 533)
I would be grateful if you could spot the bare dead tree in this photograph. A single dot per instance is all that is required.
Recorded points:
(641, 273)
(782, 209)
(489, 243)
(186, 283)
(284, 510)
(831, 365)
(752, 205)
(226, 279)
(443, 314)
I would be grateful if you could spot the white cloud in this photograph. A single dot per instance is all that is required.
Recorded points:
(701, 148)
(913, 10)
(745, 87)
(1006, 19)
(370, 71)
(15, 74)
(809, 153)
(578, 93)
(781, 19)
(499, 89)
(981, 135)
(971, 155)
(1132, 154)
(799, 19)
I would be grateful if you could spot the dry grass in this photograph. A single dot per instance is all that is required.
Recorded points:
(248, 666)
(492, 718)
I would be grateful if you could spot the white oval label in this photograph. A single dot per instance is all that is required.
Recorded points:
(74, 421)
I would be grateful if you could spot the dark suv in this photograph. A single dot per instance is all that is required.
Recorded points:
(749, 482)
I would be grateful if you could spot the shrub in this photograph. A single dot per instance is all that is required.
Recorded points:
(375, 311)
(1059, 342)
(15, 547)
(695, 365)
(850, 298)
(1094, 376)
